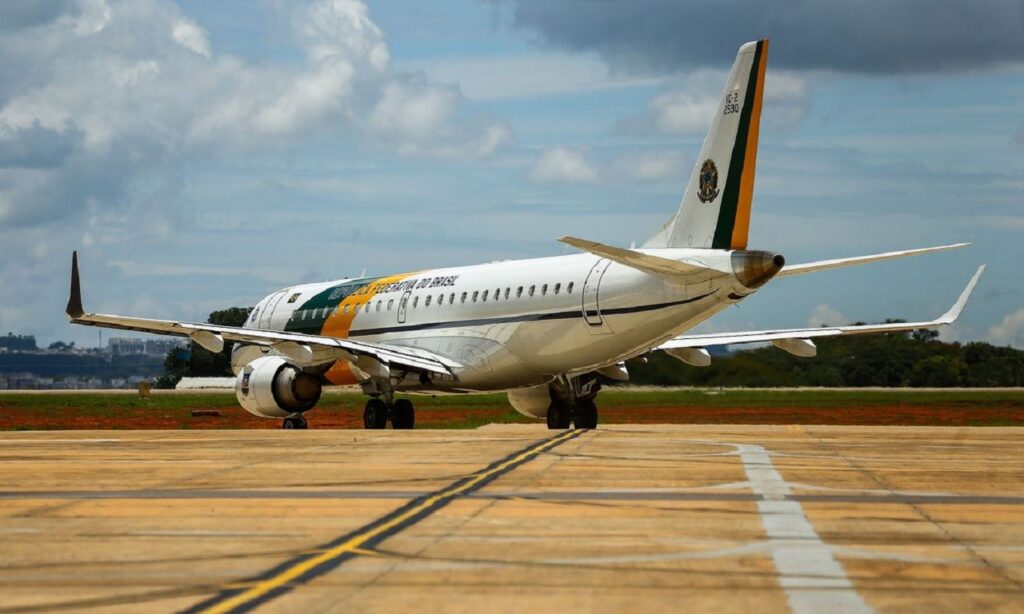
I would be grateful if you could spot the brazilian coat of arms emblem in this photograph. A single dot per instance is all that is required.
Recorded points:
(707, 188)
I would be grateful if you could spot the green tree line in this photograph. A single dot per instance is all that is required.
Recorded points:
(916, 359)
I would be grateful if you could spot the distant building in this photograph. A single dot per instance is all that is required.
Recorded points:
(125, 346)
(160, 347)
(12, 342)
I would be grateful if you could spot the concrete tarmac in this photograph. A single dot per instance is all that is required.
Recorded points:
(514, 518)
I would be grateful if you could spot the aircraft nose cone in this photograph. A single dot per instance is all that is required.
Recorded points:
(753, 269)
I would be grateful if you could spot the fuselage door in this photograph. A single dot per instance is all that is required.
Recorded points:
(268, 309)
(592, 299)
(403, 304)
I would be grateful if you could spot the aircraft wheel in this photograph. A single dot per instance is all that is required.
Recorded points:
(559, 415)
(375, 416)
(403, 415)
(586, 415)
(295, 422)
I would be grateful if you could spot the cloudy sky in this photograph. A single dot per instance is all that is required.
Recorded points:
(202, 154)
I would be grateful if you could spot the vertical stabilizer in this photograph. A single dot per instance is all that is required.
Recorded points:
(715, 212)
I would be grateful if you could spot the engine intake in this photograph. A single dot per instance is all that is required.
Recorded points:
(271, 387)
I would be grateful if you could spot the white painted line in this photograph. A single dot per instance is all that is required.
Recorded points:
(813, 580)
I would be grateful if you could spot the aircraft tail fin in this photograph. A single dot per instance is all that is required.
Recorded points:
(715, 210)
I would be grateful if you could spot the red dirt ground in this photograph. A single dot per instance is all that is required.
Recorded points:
(233, 417)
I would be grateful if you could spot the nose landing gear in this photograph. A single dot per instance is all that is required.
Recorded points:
(295, 422)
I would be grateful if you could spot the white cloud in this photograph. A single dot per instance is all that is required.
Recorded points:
(682, 112)
(134, 88)
(189, 35)
(563, 165)
(786, 99)
(655, 165)
(826, 315)
(1010, 331)
(522, 76)
(689, 107)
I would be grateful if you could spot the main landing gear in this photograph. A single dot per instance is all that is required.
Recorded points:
(295, 422)
(572, 402)
(377, 413)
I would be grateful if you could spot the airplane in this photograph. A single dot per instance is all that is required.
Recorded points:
(542, 329)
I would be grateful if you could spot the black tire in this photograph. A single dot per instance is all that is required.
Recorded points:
(586, 415)
(295, 422)
(559, 415)
(403, 415)
(375, 416)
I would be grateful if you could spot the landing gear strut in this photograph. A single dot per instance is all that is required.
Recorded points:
(295, 422)
(377, 412)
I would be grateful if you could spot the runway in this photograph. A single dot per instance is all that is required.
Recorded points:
(513, 517)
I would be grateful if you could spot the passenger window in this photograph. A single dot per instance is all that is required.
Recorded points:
(377, 308)
(463, 297)
(415, 302)
(476, 293)
(568, 288)
(497, 293)
(519, 292)
(391, 303)
(507, 292)
(558, 287)
(484, 297)
(440, 300)
(532, 288)
(451, 298)
(366, 307)
(427, 304)
(544, 290)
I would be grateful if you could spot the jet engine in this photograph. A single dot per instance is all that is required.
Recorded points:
(271, 387)
(532, 402)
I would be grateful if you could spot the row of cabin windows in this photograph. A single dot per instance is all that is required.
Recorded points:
(483, 297)
(476, 296)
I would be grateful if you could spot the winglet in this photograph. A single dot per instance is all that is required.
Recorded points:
(954, 312)
(74, 308)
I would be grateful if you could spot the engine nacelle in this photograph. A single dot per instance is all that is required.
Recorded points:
(242, 354)
(532, 402)
(271, 387)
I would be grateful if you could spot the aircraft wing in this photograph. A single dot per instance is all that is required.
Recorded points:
(781, 335)
(212, 337)
(823, 265)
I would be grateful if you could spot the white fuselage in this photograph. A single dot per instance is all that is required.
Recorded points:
(513, 323)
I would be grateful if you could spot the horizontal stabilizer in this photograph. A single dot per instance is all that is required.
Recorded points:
(647, 263)
(774, 336)
(824, 265)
